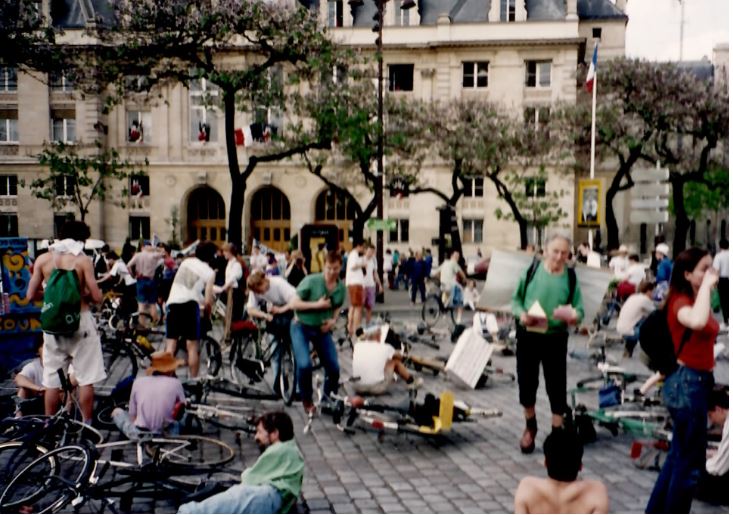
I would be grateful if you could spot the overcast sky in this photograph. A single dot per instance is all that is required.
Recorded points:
(653, 31)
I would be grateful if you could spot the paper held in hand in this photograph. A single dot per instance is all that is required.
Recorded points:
(537, 322)
(566, 314)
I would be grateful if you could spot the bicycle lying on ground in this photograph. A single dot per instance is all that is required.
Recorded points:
(149, 468)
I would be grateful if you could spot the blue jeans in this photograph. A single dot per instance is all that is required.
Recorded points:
(685, 394)
(238, 499)
(300, 336)
(631, 341)
(128, 428)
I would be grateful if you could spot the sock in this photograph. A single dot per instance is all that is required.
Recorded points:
(532, 424)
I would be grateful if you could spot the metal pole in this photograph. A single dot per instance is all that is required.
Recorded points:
(682, 25)
(380, 141)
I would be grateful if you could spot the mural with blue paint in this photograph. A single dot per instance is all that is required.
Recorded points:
(20, 321)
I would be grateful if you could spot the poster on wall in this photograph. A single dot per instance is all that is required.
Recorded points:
(590, 208)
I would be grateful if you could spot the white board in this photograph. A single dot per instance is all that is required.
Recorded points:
(507, 267)
(639, 216)
(641, 190)
(650, 174)
(649, 203)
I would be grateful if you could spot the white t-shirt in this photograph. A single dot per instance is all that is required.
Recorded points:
(448, 271)
(636, 306)
(619, 265)
(369, 361)
(119, 269)
(369, 281)
(279, 293)
(636, 273)
(355, 277)
(387, 263)
(233, 273)
(720, 263)
(33, 370)
(190, 281)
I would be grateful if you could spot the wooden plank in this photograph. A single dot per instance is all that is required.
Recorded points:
(650, 190)
(650, 174)
(648, 217)
(649, 203)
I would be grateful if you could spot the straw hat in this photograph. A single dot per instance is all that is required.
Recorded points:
(163, 362)
(623, 249)
(663, 248)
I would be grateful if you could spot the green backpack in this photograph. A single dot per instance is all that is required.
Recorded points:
(61, 303)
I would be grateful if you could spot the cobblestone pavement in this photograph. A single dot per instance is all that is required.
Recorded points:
(473, 468)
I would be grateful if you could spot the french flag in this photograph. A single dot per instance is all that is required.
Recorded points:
(591, 77)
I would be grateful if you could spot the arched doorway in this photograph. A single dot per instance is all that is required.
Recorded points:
(338, 209)
(206, 216)
(270, 216)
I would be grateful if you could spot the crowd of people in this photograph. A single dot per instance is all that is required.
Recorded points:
(303, 308)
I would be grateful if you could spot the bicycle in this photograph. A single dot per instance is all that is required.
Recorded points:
(148, 466)
(435, 306)
(432, 417)
(253, 352)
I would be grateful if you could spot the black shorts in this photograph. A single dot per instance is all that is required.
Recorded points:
(551, 351)
(183, 321)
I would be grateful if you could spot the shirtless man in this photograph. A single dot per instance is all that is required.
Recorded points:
(562, 492)
(83, 348)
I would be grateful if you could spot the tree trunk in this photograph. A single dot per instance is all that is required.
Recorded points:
(239, 184)
(611, 224)
(682, 221)
(507, 197)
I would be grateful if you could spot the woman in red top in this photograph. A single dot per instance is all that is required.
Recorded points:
(686, 390)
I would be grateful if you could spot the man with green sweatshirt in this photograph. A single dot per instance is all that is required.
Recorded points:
(272, 484)
(547, 300)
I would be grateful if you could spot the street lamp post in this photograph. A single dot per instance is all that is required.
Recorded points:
(379, 187)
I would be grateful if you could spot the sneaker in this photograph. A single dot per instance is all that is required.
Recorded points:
(415, 384)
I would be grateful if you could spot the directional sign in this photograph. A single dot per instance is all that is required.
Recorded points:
(388, 224)
(641, 190)
(649, 203)
(650, 174)
(648, 216)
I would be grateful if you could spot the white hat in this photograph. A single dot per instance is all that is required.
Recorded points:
(663, 248)
(623, 249)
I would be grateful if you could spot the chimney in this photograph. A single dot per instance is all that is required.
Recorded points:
(621, 5)
(571, 7)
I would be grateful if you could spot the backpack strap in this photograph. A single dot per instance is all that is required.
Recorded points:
(685, 337)
(530, 274)
(572, 282)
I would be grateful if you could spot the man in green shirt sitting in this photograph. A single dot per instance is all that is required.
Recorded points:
(315, 326)
(545, 305)
(272, 484)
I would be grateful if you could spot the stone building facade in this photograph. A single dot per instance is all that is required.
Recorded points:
(523, 54)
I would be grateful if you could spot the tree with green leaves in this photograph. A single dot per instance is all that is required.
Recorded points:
(648, 112)
(240, 47)
(82, 178)
(27, 40)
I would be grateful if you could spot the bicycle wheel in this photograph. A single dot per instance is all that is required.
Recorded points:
(190, 451)
(119, 360)
(210, 358)
(286, 378)
(49, 482)
(431, 310)
(244, 349)
(15, 456)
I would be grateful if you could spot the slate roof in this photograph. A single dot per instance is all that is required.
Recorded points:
(703, 69)
(76, 13)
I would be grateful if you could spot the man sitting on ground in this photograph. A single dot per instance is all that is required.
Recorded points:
(153, 399)
(375, 363)
(633, 313)
(272, 484)
(29, 382)
(714, 482)
(562, 492)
